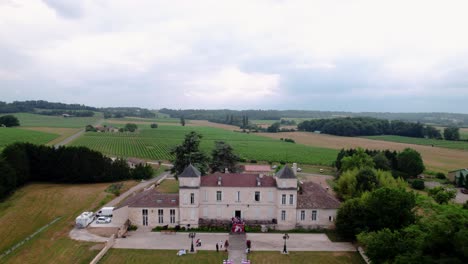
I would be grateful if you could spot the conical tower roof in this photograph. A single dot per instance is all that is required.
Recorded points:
(286, 173)
(190, 172)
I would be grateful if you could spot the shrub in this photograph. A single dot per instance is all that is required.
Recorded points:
(253, 161)
(154, 125)
(132, 227)
(440, 175)
(418, 184)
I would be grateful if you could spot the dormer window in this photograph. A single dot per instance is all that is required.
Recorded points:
(219, 181)
(158, 201)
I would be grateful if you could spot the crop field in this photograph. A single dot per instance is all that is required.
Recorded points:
(463, 145)
(464, 133)
(35, 205)
(435, 158)
(143, 120)
(156, 144)
(34, 120)
(10, 135)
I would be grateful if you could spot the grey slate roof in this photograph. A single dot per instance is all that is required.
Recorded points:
(286, 173)
(313, 196)
(190, 172)
(152, 198)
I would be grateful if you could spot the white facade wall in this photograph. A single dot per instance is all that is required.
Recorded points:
(135, 215)
(325, 218)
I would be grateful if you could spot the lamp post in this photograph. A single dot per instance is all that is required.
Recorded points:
(285, 237)
(192, 236)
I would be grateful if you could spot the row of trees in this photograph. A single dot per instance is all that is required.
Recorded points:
(407, 163)
(21, 163)
(31, 106)
(75, 113)
(9, 121)
(366, 126)
(189, 152)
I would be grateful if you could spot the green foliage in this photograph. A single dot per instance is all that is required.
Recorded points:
(182, 120)
(274, 128)
(114, 188)
(381, 161)
(410, 162)
(130, 127)
(441, 195)
(223, 157)
(132, 227)
(9, 121)
(90, 128)
(141, 172)
(461, 180)
(7, 179)
(189, 152)
(154, 125)
(358, 160)
(450, 144)
(353, 183)
(452, 133)
(440, 175)
(383, 208)
(417, 184)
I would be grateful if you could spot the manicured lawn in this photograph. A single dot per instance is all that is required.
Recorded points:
(463, 145)
(156, 144)
(168, 186)
(267, 257)
(35, 205)
(116, 256)
(9, 135)
(34, 120)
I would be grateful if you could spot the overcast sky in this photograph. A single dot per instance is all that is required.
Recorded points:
(395, 56)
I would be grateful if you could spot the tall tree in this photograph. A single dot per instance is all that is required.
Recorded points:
(182, 120)
(357, 161)
(9, 121)
(189, 152)
(410, 162)
(452, 133)
(223, 157)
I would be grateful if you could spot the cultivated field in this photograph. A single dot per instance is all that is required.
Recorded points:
(435, 158)
(35, 205)
(138, 120)
(10, 135)
(423, 141)
(34, 120)
(62, 132)
(156, 144)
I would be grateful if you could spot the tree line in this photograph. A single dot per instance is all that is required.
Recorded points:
(366, 126)
(21, 163)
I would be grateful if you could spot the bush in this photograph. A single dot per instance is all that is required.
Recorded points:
(418, 184)
(290, 140)
(154, 125)
(440, 175)
(253, 161)
(132, 227)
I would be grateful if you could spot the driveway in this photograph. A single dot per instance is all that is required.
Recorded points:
(260, 242)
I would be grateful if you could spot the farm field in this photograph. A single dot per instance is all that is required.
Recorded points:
(10, 135)
(61, 131)
(137, 120)
(463, 145)
(162, 256)
(34, 120)
(35, 205)
(435, 158)
(156, 144)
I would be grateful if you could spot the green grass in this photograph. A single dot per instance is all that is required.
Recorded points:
(424, 141)
(34, 120)
(156, 144)
(116, 256)
(297, 257)
(168, 186)
(152, 120)
(10, 135)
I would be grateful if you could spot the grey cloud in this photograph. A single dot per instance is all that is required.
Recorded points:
(66, 8)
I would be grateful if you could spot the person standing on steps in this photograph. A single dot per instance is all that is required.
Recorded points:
(217, 247)
(226, 245)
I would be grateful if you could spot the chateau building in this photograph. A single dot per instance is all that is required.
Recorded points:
(280, 201)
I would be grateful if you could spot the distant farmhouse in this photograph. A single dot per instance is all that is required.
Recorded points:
(454, 175)
(278, 201)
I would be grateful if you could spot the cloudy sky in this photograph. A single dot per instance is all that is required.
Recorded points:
(346, 55)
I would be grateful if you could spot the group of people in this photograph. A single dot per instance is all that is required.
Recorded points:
(236, 220)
